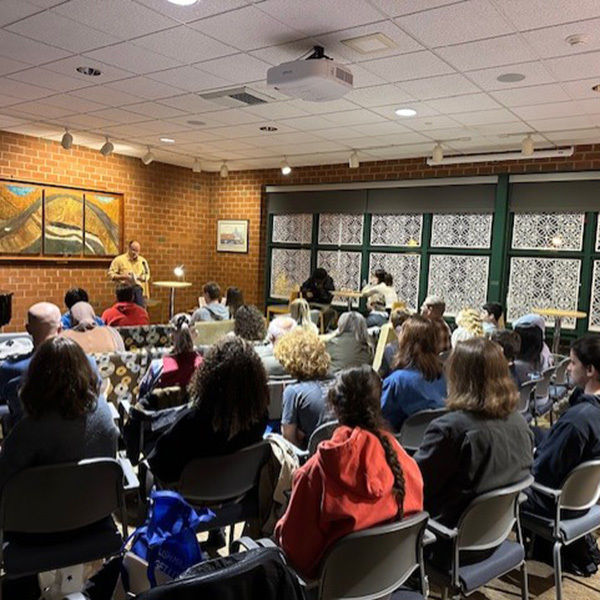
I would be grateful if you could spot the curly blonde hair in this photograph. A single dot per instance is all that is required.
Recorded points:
(470, 319)
(302, 354)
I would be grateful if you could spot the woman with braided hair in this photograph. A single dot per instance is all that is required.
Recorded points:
(359, 478)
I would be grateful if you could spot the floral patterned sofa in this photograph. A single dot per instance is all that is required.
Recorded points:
(146, 336)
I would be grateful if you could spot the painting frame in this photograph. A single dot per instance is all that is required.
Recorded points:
(232, 235)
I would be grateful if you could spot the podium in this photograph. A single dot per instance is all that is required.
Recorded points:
(172, 285)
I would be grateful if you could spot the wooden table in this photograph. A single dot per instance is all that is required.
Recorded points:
(559, 315)
(172, 285)
(349, 295)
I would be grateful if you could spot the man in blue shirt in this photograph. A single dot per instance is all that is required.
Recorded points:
(72, 297)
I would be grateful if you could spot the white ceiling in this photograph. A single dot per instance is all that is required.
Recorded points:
(156, 57)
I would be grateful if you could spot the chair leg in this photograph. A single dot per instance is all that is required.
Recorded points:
(231, 535)
(445, 593)
(557, 570)
(524, 583)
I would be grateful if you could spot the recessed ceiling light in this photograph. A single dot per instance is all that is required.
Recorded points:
(510, 77)
(405, 112)
(195, 122)
(183, 2)
(268, 128)
(577, 39)
(596, 88)
(167, 140)
(91, 71)
(368, 44)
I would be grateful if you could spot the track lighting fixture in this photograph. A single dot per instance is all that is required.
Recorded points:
(224, 172)
(107, 148)
(527, 148)
(285, 167)
(438, 153)
(148, 157)
(353, 161)
(197, 167)
(67, 140)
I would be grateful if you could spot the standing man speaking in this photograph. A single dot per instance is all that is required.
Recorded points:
(132, 269)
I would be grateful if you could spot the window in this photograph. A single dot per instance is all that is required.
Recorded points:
(344, 269)
(548, 231)
(292, 229)
(396, 230)
(340, 230)
(595, 301)
(404, 268)
(289, 268)
(462, 230)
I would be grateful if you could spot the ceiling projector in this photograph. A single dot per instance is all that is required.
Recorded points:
(317, 78)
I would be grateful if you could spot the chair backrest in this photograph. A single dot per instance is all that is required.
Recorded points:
(321, 433)
(61, 497)
(560, 375)
(276, 388)
(206, 333)
(490, 517)
(542, 386)
(525, 392)
(414, 427)
(386, 335)
(146, 336)
(218, 479)
(374, 562)
(581, 488)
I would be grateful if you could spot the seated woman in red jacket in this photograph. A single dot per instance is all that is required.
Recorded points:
(360, 478)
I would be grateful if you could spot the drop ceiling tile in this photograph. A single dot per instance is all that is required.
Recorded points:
(6, 121)
(27, 51)
(191, 103)
(590, 106)
(456, 23)
(42, 110)
(311, 16)
(426, 124)
(423, 110)
(86, 122)
(379, 95)
(408, 66)
(550, 41)
(287, 52)
(484, 117)
(581, 88)
(8, 100)
(439, 87)
(361, 142)
(184, 44)
(73, 103)
(231, 146)
(534, 14)
(276, 110)
(105, 95)
(49, 79)
(557, 124)
(531, 95)
(248, 130)
(497, 129)
(321, 146)
(397, 8)
(378, 129)
(237, 68)
(405, 137)
(144, 88)
(595, 119)
(354, 117)
(400, 151)
(68, 66)
(246, 29)
(535, 74)
(550, 110)
(121, 18)
(189, 79)
(119, 115)
(132, 58)
(464, 103)
(402, 42)
(8, 65)
(235, 116)
(570, 68)
(365, 78)
(14, 10)
(200, 10)
(277, 139)
(155, 110)
(316, 108)
(505, 50)
(189, 137)
(574, 136)
(21, 90)
(337, 133)
(450, 133)
(59, 31)
(35, 129)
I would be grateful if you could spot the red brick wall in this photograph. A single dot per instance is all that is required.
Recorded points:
(174, 213)
(165, 209)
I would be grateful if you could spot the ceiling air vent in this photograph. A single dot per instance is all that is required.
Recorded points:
(237, 97)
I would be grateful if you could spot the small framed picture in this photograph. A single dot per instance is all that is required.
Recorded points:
(232, 236)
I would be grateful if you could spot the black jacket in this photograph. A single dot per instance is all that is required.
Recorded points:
(259, 573)
(464, 454)
(318, 291)
(573, 439)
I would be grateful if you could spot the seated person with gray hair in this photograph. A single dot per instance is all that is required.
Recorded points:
(351, 345)
(377, 316)
(433, 308)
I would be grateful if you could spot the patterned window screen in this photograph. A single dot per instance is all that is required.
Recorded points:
(289, 268)
(404, 268)
(344, 268)
(339, 230)
(548, 231)
(462, 230)
(461, 280)
(292, 229)
(542, 283)
(598, 235)
(396, 230)
(595, 301)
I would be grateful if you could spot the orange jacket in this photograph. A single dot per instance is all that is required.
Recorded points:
(346, 486)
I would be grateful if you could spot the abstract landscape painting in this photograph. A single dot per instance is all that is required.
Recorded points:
(102, 224)
(20, 218)
(63, 221)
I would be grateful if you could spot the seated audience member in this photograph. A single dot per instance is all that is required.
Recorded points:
(418, 382)
(377, 316)
(213, 310)
(397, 319)
(382, 283)
(482, 443)
(575, 437)
(73, 296)
(302, 354)
(359, 478)
(318, 287)
(532, 320)
(491, 313)
(249, 324)
(351, 344)
(233, 300)
(510, 342)
(229, 410)
(125, 312)
(280, 326)
(532, 358)
(300, 312)
(176, 368)
(433, 309)
(90, 336)
(469, 326)
(65, 421)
